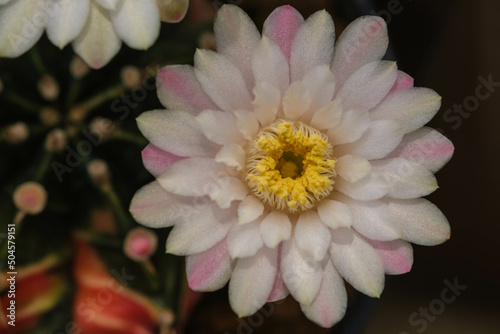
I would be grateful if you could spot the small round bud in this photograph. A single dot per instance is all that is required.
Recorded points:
(140, 244)
(78, 68)
(99, 172)
(56, 141)
(48, 87)
(102, 126)
(166, 318)
(49, 116)
(16, 133)
(30, 197)
(131, 76)
(207, 41)
(77, 114)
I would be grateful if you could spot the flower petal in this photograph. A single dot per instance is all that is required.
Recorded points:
(312, 44)
(227, 190)
(98, 41)
(108, 4)
(232, 155)
(330, 304)
(219, 127)
(247, 123)
(357, 262)
(378, 141)
(334, 214)
(311, 235)
(328, 116)
(279, 290)
(419, 221)
(396, 255)
(363, 41)
(137, 22)
(266, 103)
(425, 146)
(175, 131)
(281, 26)
(351, 127)
(237, 37)
(66, 21)
(296, 100)
(252, 281)
(172, 11)
(19, 32)
(178, 88)
(275, 228)
(301, 274)
(222, 81)
(157, 160)
(194, 177)
(249, 209)
(412, 107)
(244, 240)
(210, 270)
(352, 168)
(270, 65)
(403, 81)
(371, 187)
(369, 85)
(406, 179)
(202, 231)
(320, 83)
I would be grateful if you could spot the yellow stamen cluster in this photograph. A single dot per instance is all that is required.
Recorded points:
(276, 181)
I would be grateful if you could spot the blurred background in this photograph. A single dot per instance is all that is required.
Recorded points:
(72, 251)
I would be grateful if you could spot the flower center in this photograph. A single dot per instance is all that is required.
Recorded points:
(290, 166)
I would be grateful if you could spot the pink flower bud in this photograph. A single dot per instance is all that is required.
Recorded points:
(30, 197)
(78, 68)
(16, 133)
(99, 172)
(56, 141)
(131, 76)
(48, 87)
(140, 244)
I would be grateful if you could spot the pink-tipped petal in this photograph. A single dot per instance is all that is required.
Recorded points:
(157, 160)
(281, 26)
(178, 88)
(210, 270)
(396, 255)
(403, 81)
(279, 290)
(427, 147)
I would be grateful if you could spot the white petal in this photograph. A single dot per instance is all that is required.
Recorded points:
(108, 4)
(312, 45)
(19, 29)
(137, 22)
(363, 41)
(296, 100)
(412, 107)
(202, 231)
(351, 127)
(378, 141)
(194, 177)
(311, 235)
(275, 228)
(270, 65)
(266, 103)
(396, 255)
(67, 21)
(369, 85)
(328, 116)
(236, 37)
(334, 214)
(320, 83)
(153, 207)
(357, 262)
(406, 179)
(301, 274)
(352, 168)
(176, 132)
(219, 127)
(227, 190)
(244, 240)
(210, 270)
(252, 281)
(419, 221)
(250, 209)
(247, 123)
(222, 81)
(371, 187)
(373, 219)
(330, 304)
(232, 155)
(98, 41)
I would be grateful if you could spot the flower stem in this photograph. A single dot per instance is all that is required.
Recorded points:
(124, 221)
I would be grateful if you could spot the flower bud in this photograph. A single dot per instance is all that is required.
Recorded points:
(30, 197)
(140, 244)
(56, 141)
(102, 126)
(16, 133)
(131, 76)
(99, 172)
(172, 11)
(48, 87)
(78, 68)
(49, 116)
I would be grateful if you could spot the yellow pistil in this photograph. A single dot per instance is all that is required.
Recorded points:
(277, 181)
